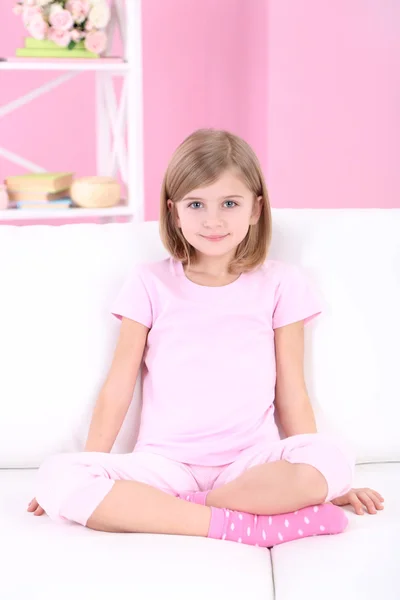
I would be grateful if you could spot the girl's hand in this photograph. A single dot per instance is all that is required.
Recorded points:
(34, 507)
(361, 499)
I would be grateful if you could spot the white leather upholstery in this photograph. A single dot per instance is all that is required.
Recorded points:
(56, 342)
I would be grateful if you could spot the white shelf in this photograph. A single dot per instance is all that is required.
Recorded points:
(66, 214)
(66, 65)
(118, 117)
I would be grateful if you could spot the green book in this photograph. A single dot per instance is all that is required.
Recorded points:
(54, 53)
(49, 44)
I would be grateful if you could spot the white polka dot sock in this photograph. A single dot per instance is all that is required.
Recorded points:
(268, 531)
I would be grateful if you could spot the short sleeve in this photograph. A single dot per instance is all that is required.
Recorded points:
(133, 300)
(296, 299)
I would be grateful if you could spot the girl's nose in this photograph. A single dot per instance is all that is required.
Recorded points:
(213, 221)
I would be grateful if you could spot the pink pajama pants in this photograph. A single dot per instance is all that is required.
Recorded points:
(70, 486)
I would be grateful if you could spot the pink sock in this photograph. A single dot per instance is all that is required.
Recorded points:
(265, 531)
(194, 497)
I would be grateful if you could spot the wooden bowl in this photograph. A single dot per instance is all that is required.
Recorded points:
(95, 192)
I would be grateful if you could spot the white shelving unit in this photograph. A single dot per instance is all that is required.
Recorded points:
(116, 120)
(59, 214)
(66, 65)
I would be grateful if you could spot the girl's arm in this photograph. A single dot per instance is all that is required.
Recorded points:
(292, 403)
(116, 395)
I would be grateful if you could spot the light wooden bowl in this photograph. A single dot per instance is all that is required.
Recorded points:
(95, 192)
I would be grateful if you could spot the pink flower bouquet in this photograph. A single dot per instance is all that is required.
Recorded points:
(67, 22)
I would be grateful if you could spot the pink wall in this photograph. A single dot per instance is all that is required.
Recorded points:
(329, 121)
(333, 103)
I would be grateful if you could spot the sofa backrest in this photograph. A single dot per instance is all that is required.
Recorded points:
(57, 335)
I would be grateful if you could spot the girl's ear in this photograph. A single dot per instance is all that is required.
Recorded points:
(256, 210)
(174, 212)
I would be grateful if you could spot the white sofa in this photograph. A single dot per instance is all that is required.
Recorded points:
(56, 343)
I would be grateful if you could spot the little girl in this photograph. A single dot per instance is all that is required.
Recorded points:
(220, 329)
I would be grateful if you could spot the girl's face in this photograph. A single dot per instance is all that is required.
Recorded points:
(216, 218)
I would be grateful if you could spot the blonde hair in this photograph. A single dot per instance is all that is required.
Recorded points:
(199, 161)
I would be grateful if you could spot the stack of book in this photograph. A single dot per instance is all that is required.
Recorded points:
(48, 49)
(39, 190)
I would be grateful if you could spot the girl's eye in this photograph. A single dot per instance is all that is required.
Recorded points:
(195, 205)
(230, 203)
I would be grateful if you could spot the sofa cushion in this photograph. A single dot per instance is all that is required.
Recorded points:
(57, 332)
(352, 348)
(44, 560)
(67, 561)
(363, 562)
